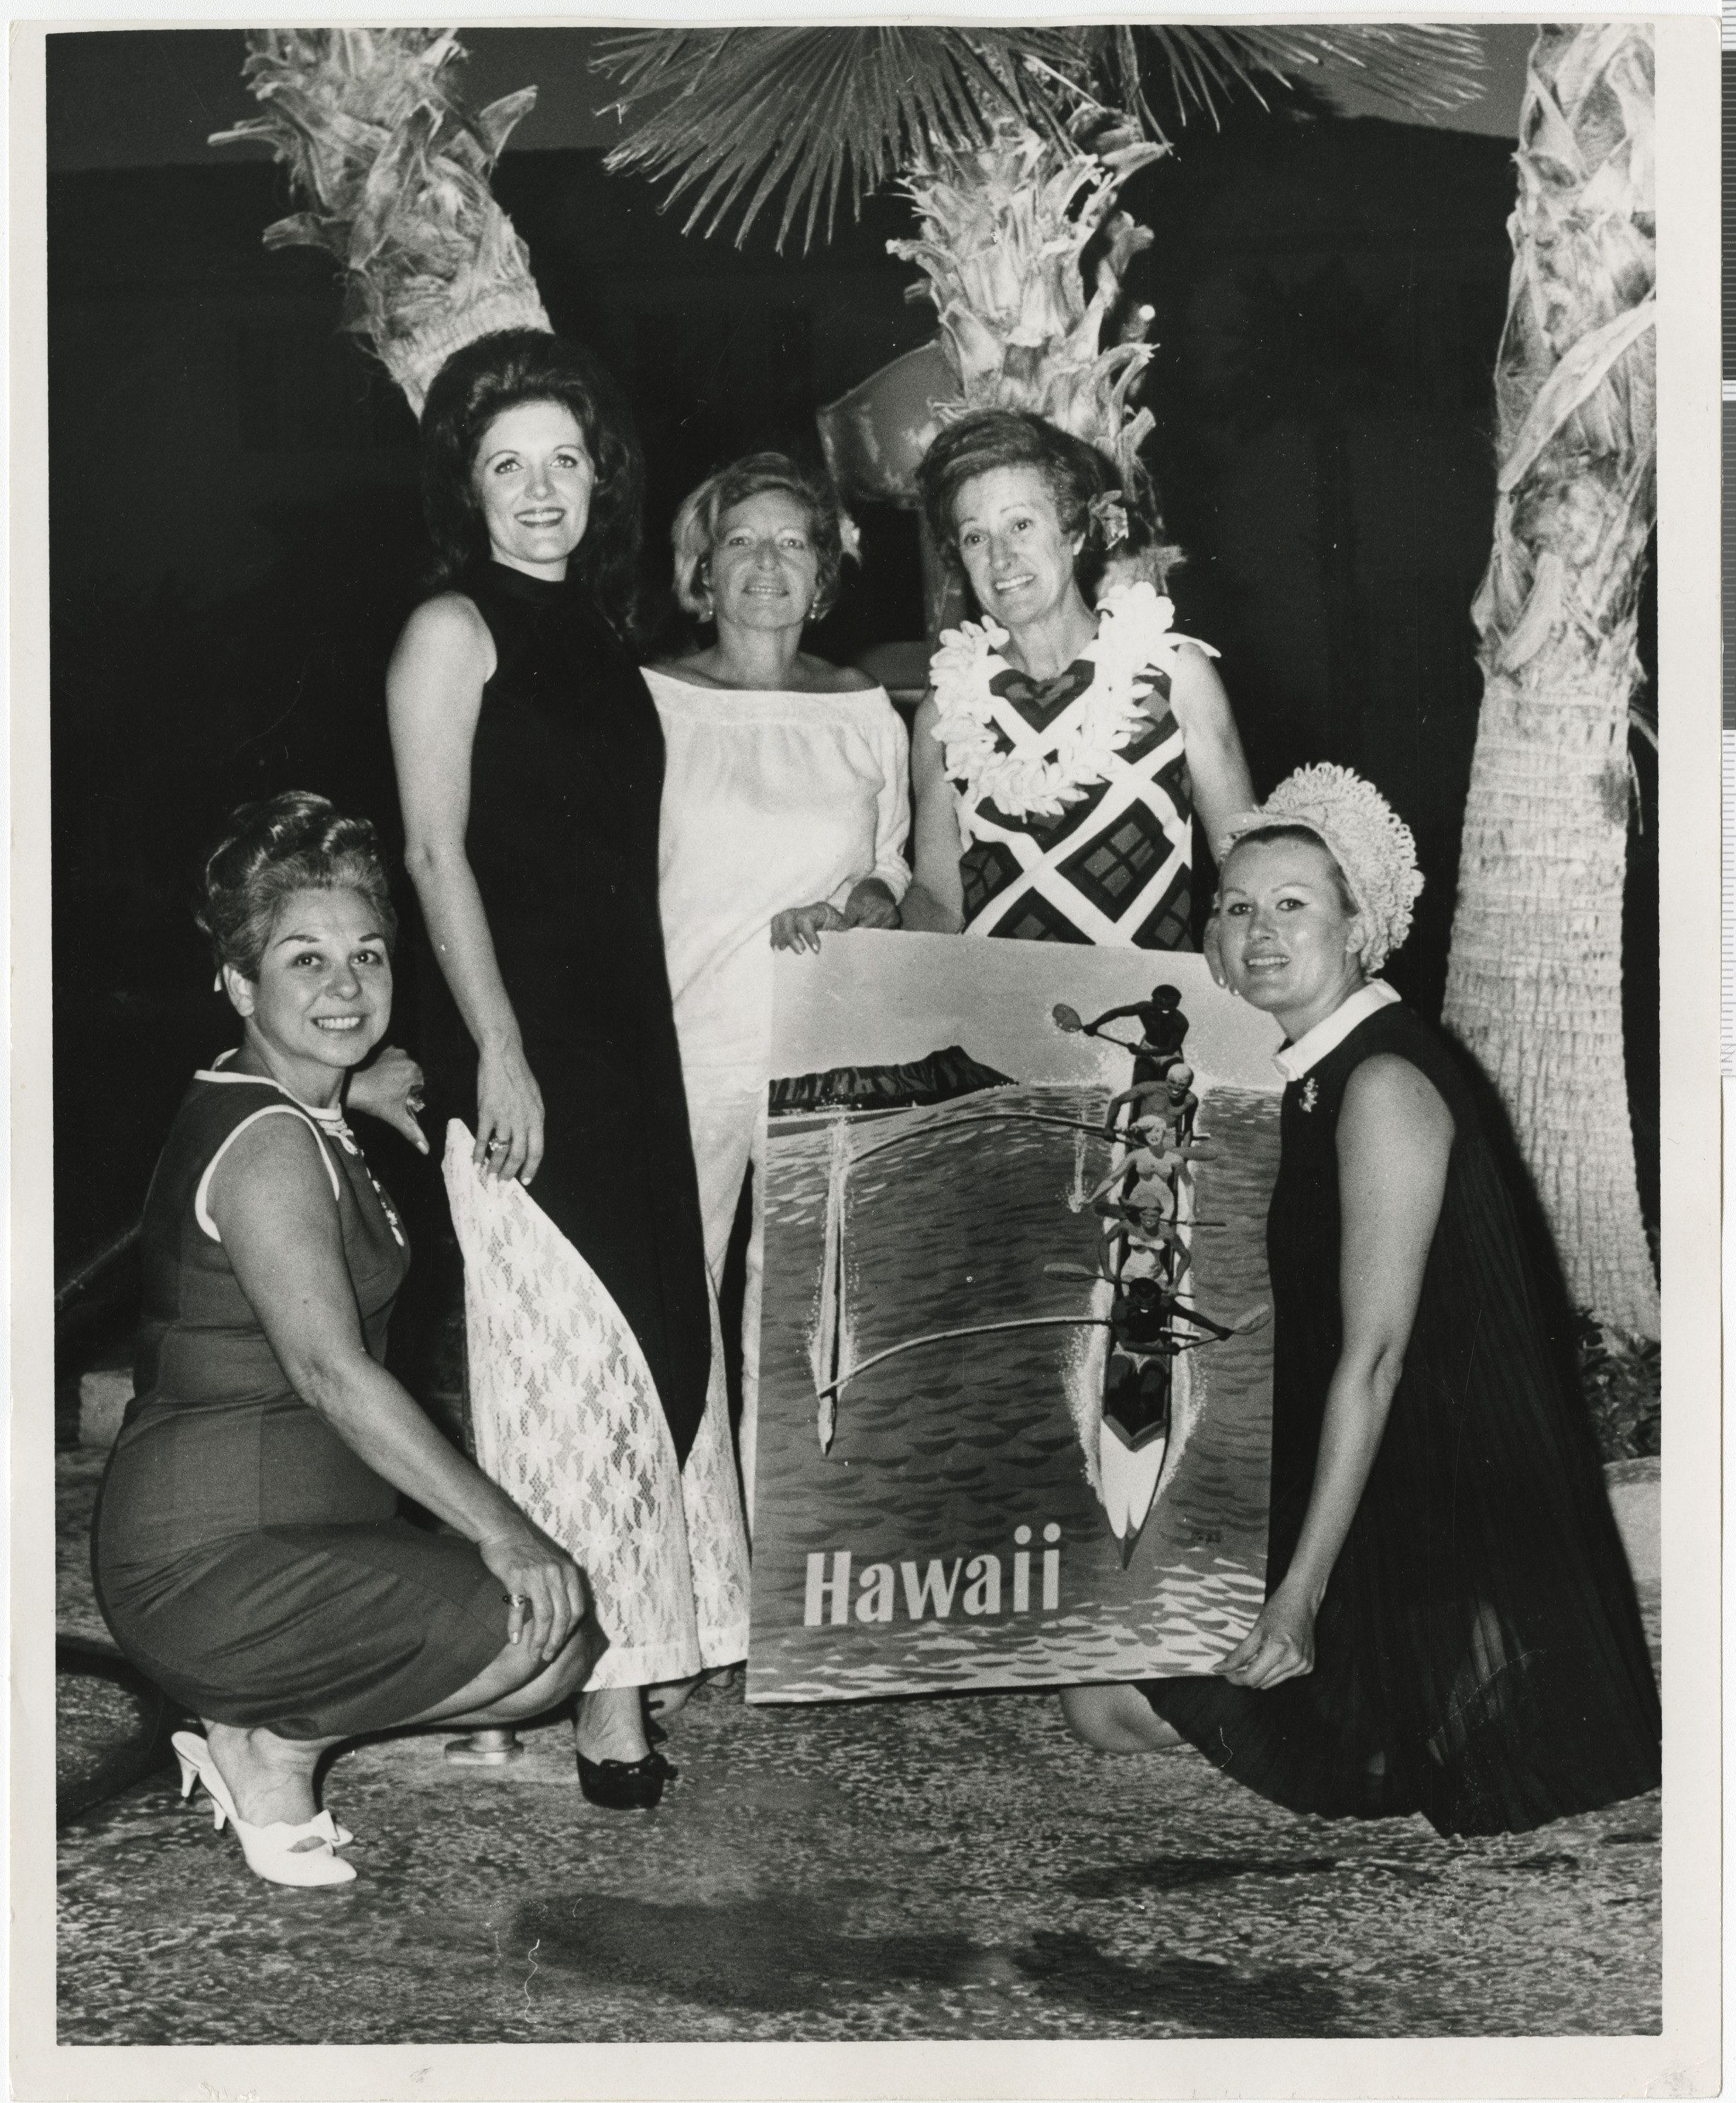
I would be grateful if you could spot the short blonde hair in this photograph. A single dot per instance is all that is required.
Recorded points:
(694, 533)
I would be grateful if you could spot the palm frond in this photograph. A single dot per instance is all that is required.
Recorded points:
(1419, 66)
(733, 115)
(829, 113)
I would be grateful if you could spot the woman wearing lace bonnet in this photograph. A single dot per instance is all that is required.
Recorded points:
(1373, 847)
(1449, 1627)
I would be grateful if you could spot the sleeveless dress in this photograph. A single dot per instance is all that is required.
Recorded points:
(770, 799)
(1109, 861)
(596, 1393)
(1479, 1657)
(245, 1558)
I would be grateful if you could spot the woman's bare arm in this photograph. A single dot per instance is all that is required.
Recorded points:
(1222, 786)
(935, 902)
(1394, 1138)
(389, 1088)
(434, 691)
(271, 1202)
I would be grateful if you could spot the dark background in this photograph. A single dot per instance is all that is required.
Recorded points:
(235, 540)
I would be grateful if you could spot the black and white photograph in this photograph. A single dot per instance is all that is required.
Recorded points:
(666, 1434)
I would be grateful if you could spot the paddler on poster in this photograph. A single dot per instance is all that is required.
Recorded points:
(1144, 1202)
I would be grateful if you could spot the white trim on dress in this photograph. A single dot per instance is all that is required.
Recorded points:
(201, 1211)
(1293, 1060)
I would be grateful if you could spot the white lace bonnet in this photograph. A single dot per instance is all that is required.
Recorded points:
(1373, 848)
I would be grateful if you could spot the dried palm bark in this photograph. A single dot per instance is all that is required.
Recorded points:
(395, 170)
(1535, 979)
(1003, 229)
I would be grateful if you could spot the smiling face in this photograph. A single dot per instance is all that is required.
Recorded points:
(1019, 561)
(764, 569)
(323, 995)
(532, 482)
(1289, 942)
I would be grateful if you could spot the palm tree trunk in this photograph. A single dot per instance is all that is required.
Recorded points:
(1534, 978)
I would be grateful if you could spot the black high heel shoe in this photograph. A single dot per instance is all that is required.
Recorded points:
(625, 1785)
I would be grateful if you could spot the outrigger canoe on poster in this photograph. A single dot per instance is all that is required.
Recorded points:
(1015, 1364)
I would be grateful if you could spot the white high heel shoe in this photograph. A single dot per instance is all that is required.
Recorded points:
(272, 1851)
(189, 1748)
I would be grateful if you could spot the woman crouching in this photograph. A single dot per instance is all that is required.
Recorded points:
(1450, 1626)
(248, 1552)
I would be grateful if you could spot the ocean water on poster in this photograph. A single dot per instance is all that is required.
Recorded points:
(942, 1451)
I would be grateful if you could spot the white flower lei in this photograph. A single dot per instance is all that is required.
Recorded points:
(1134, 640)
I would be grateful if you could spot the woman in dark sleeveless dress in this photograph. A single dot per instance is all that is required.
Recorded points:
(247, 1551)
(1070, 734)
(1450, 1626)
(530, 767)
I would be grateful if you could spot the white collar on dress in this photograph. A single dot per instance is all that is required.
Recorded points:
(333, 1120)
(1294, 1060)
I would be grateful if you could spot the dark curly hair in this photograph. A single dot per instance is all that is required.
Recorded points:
(1073, 472)
(294, 842)
(498, 372)
(694, 534)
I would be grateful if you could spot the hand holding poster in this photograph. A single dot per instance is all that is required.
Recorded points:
(1015, 1367)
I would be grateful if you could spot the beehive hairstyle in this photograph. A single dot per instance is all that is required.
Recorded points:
(293, 842)
(502, 371)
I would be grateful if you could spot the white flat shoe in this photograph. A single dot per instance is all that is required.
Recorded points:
(272, 1851)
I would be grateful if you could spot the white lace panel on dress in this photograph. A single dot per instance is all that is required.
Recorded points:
(568, 1421)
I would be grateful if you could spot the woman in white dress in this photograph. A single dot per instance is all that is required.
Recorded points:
(1070, 734)
(786, 810)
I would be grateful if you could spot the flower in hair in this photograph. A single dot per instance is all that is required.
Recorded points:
(850, 537)
(1373, 846)
(1109, 513)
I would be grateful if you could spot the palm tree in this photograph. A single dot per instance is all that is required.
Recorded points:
(1535, 979)
(1012, 145)
(739, 113)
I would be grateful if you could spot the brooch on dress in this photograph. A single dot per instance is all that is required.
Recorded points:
(1310, 1094)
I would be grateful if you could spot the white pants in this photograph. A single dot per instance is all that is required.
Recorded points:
(727, 1111)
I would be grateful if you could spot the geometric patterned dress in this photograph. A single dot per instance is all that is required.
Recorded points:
(1114, 867)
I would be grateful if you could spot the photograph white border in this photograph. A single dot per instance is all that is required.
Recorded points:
(1684, 2060)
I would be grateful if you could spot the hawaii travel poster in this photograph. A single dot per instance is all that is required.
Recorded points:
(1015, 1363)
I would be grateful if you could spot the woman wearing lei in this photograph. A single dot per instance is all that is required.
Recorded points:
(1058, 761)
